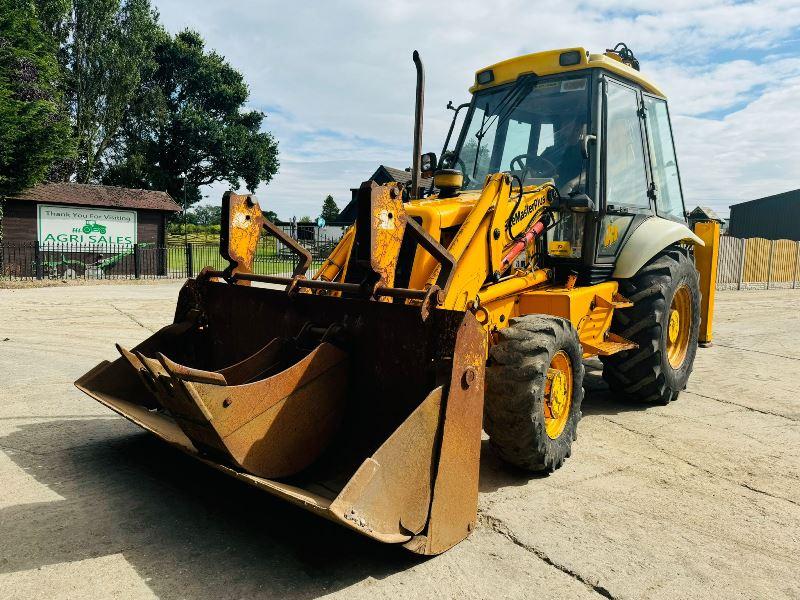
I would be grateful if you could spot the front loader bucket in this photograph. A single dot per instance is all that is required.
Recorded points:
(360, 411)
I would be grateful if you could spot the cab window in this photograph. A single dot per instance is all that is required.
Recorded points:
(518, 139)
(626, 175)
(531, 128)
(669, 199)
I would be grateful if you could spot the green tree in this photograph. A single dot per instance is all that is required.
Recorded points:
(305, 220)
(204, 215)
(34, 128)
(330, 211)
(106, 52)
(468, 160)
(271, 215)
(190, 119)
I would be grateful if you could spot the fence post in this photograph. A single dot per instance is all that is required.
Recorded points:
(189, 261)
(741, 263)
(769, 263)
(37, 259)
(796, 265)
(137, 262)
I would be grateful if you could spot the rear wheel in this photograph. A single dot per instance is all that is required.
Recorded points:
(534, 390)
(664, 321)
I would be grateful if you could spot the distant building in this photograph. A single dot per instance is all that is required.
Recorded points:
(773, 217)
(702, 214)
(60, 228)
(382, 175)
(87, 214)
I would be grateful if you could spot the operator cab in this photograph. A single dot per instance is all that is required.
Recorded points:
(594, 127)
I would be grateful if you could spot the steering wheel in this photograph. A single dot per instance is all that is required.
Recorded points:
(547, 170)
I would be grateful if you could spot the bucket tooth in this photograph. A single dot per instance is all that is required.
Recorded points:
(141, 371)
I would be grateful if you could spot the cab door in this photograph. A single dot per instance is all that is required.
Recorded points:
(666, 186)
(626, 184)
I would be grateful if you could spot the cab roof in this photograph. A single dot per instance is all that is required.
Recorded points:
(548, 63)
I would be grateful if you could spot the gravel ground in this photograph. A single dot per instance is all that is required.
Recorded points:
(698, 499)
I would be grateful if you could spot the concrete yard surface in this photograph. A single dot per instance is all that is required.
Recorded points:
(697, 499)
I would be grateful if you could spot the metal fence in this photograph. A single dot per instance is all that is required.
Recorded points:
(756, 263)
(34, 260)
(753, 263)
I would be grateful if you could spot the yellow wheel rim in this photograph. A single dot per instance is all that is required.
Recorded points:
(558, 394)
(679, 326)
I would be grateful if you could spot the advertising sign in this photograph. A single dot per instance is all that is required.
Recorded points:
(78, 225)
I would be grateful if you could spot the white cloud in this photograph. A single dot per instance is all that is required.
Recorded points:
(336, 79)
(715, 87)
(749, 154)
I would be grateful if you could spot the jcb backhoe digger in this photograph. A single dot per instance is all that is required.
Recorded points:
(554, 231)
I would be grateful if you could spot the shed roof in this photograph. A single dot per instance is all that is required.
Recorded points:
(98, 195)
(400, 176)
(705, 212)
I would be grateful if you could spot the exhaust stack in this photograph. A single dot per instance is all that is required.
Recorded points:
(419, 106)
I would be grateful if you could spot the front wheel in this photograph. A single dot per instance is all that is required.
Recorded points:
(534, 390)
(665, 322)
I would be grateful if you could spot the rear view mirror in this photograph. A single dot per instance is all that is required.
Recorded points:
(428, 164)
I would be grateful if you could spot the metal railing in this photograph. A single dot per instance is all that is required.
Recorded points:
(35, 260)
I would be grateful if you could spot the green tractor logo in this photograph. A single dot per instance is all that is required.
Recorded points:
(91, 226)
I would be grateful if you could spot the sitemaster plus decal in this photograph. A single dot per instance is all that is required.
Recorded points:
(76, 225)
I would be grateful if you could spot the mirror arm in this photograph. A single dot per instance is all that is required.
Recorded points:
(455, 110)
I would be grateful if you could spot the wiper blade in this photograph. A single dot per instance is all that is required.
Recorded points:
(509, 102)
(504, 109)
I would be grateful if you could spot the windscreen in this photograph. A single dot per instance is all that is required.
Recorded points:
(531, 128)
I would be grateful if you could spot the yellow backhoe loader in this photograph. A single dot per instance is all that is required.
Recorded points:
(554, 232)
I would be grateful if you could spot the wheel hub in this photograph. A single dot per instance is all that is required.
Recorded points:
(558, 394)
(674, 325)
(679, 326)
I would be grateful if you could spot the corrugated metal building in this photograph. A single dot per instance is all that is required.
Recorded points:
(773, 217)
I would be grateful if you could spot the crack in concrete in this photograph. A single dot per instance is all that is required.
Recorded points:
(756, 351)
(500, 527)
(769, 494)
(758, 410)
(650, 437)
(131, 317)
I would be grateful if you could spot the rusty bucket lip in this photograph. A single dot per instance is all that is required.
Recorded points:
(172, 435)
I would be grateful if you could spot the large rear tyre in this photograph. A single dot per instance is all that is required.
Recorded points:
(534, 390)
(664, 321)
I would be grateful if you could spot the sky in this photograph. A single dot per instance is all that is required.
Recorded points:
(336, 80)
